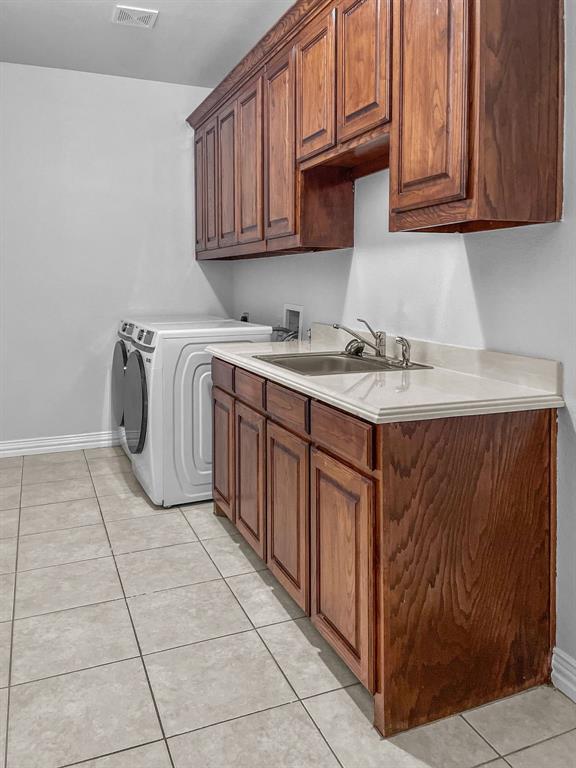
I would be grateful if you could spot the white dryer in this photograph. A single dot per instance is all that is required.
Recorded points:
(162, 402)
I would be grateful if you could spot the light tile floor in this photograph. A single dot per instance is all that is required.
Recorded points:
(137, 637)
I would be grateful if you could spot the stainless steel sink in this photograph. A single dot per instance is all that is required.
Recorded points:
(325, 363)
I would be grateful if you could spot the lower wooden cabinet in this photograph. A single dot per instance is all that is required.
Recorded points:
(250, 501)
(223, 450)
(287, 458)
(342, 561)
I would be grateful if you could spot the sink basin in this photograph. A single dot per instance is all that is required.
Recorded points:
(325, 363)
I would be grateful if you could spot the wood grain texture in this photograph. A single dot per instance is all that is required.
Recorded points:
(316, 87)
(288, 407)
(227, 176)
(222, 374)
(281, 34)
(223, 451)
(342, 557)
(342, 434)
(211, 184)
(250, 388)
(428, 159)
(199, 190)
(250, 470)
(287, 481)
(364, 48)
(465, 601)
(250, 203)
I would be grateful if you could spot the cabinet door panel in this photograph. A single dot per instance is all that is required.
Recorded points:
(199, 189)
(363, 65)
(342, 561)
(316, 88)
(279, 143)
(250, 506)
(250, 216)
(287, 512)
(428, 163)
(227, 177)
(223, 451)
(211, 191)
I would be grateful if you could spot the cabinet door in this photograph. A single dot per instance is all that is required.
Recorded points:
(342, 544)
(223, 451)
(199, 189)
(250, 204)
(251, 477)
(363, 65)
(428, 160)
(211, 184)
(316, 88)
(279, 147)
(227, 230)
(287, 512)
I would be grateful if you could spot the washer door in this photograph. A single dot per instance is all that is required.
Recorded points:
(135, 402)
(119, 360)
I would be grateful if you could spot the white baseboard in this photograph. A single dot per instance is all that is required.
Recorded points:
(564, 673)
(59, 443)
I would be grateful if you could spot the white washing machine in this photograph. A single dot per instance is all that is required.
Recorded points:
(162, 402)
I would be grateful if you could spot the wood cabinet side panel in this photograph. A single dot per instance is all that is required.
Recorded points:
(466, 584)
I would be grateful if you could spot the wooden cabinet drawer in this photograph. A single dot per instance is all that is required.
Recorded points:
(250, 388)
(288, 407)
(222, 374)
(343, 435)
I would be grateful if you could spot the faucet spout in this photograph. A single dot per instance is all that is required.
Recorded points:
(379, 344)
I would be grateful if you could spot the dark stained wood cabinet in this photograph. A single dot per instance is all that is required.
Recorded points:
(288, 554)
(210, 187)
(250, 501)
(342, 562)
(280, 179)
(250, 213)
(227, 177)
(461, 99)
(423, 551)
(363, 66)
(223, 451)
(430, 141)
(316, 87)
(199, 192)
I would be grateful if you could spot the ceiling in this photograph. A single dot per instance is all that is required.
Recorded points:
(196, 42)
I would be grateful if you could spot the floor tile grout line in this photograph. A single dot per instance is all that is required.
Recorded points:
(537, 743)
(484, 739)
(74, 671)
(154, 702)
(110, 754)
(11, 652)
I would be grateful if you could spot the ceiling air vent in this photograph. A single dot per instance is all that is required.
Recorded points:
(134, 17)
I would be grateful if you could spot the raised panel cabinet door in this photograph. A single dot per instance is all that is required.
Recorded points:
(428, 146)
(342, 562)
(223, 451)
(287, 481)
(227, 177)
(316, 87)
(279, 147)
(211, 184)
(250, 501)
(363, 66)
(199, 189)
(250, 203)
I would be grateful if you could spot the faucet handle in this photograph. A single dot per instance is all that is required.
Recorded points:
(405, 345)
(367, 324)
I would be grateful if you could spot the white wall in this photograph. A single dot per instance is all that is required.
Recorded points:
(513, 291)
(96, 222)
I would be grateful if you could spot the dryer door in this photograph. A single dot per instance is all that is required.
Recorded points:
(119, 360)
(135, 402)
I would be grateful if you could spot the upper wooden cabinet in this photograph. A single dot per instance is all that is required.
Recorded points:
(430, 149)
(461, 99)
(363, 97)
(279, 146)
(316, 87)
(476, 138)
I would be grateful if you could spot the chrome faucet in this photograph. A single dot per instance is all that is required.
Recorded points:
(379, 345)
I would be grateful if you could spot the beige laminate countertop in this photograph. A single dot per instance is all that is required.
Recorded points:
(390, 396)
